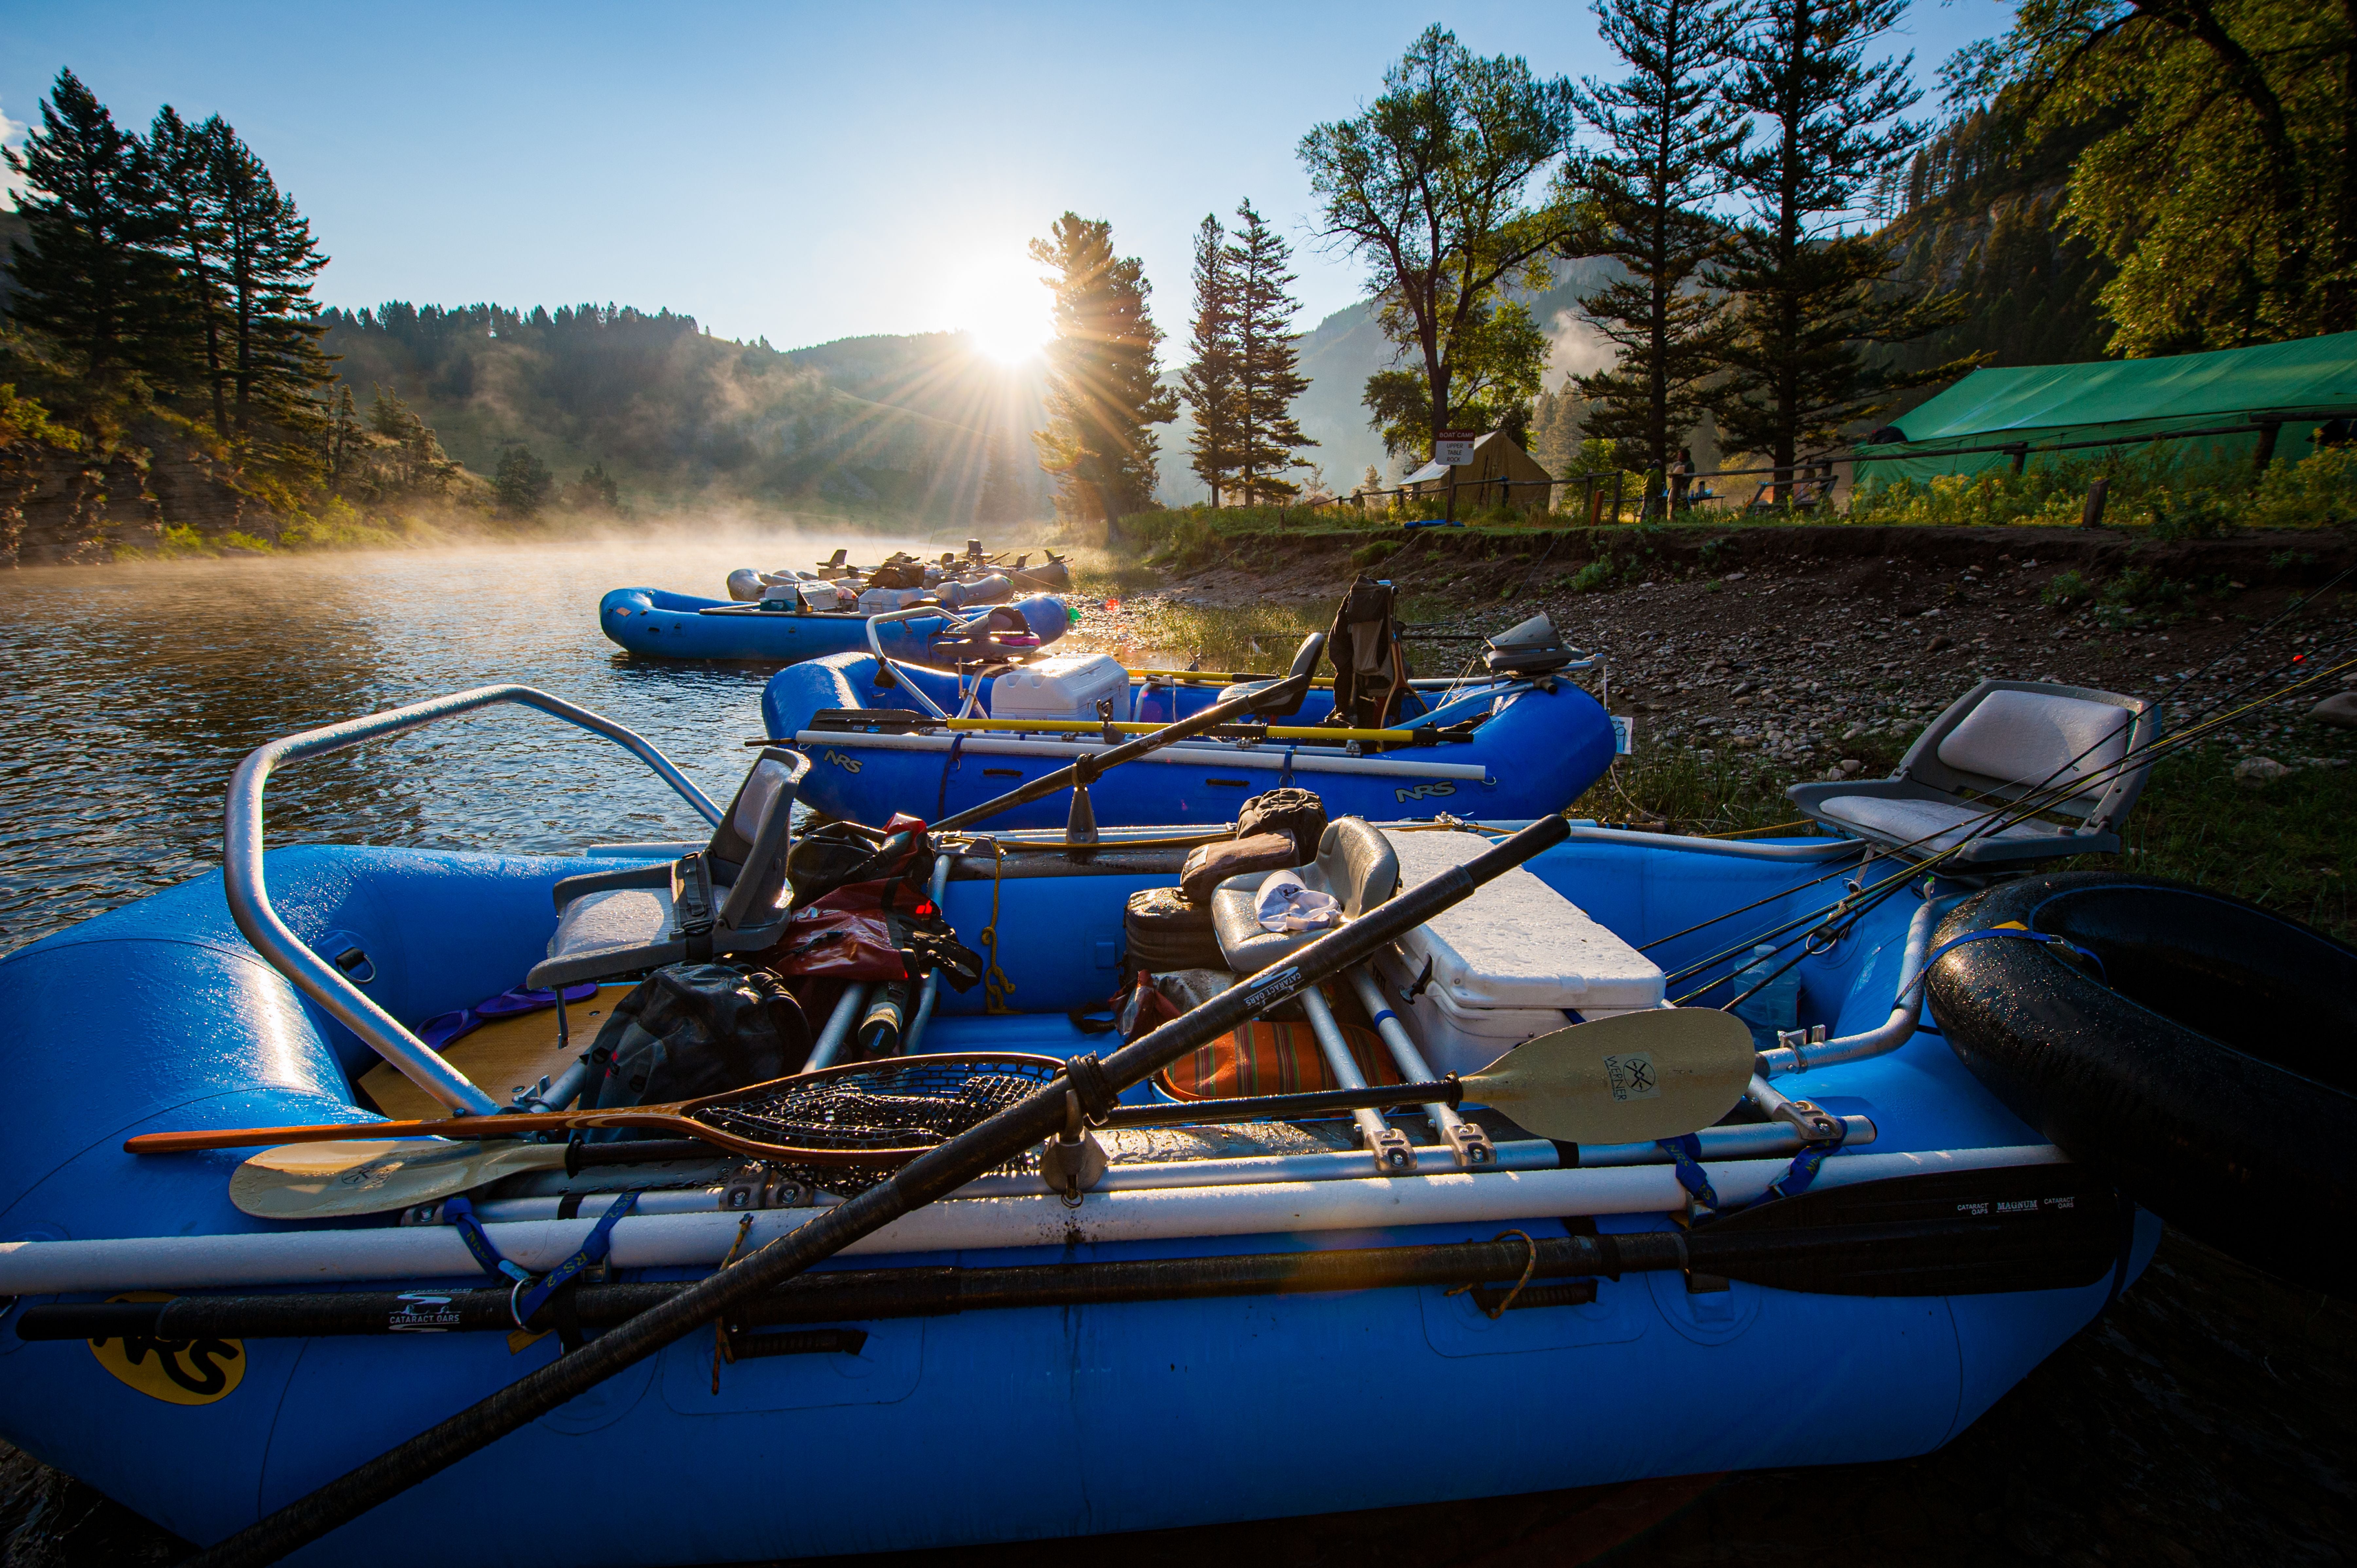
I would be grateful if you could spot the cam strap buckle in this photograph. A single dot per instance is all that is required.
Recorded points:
(692, 911)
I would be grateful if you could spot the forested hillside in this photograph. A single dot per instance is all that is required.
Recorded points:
(671, 414)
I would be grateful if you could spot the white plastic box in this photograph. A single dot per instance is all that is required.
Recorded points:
(881, 601)
(1067, 686)
(1516, 960)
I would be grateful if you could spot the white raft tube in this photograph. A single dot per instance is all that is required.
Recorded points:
(701, 1241)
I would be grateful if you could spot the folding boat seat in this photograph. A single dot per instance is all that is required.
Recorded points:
(1356, 863)
(728, 897)
(1305, 663)
(2004, 741)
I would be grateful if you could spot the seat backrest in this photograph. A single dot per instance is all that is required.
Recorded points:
(1358, 865)
(2037, 739)
(756, 833)
(2013, 738)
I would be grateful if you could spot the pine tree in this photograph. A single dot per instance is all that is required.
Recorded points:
(343, 434)
(1669, 136)
(1266, 353)
(267, 263)
(1005, 498)
(184, 161)
(91, 279)
(1102, 392)
(1811, 299)
(1209, 383)
(522, 482)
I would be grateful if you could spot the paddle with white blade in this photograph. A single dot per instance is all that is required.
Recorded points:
(378, 1175)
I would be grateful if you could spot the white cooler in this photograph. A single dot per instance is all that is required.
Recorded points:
(1516, 960)
(1067, 686)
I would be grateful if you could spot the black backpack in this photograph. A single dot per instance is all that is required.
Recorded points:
(692, 1029)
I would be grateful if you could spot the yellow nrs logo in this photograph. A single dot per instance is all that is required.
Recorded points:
(848, 764)
(178, 1371)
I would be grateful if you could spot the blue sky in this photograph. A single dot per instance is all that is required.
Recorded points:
(795, 171)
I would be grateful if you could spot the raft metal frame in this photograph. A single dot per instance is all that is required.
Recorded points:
(319, 978)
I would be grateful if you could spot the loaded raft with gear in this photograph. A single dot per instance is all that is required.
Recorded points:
(422, 1179)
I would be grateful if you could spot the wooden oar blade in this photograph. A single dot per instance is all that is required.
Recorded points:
(1972, 1232)
(1625, 1080)
(375, 1176)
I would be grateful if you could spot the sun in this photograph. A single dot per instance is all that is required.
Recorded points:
(1002, 307)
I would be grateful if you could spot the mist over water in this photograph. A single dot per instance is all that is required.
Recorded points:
(129, 693)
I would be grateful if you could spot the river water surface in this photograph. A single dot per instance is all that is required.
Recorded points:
(132, 692)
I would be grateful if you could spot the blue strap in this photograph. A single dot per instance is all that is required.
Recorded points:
(459, 1213)
(1687, 1150)
(1285, 773)
(2011, 931)
(593, 1249)
(949, 765)
(1804, 1169)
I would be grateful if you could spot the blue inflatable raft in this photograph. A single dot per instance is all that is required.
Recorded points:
(663, 625)
(1510, 747)
(921, 1424)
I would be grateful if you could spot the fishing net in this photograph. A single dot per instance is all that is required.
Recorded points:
(895, 1109)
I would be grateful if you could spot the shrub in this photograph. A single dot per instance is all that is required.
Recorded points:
(1595, 576)
(1374, 552)
(2067, 588)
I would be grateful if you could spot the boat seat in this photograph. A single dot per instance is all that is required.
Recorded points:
(728, 897)
(1356, 863)
(2003, 741)
(1305, 663)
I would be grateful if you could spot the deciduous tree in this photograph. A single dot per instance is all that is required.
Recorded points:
(1431, 186)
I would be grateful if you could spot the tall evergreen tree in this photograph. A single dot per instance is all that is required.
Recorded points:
(1103, 395)
(1668, 136)
(1430, 186)
(267, 264)
(1810, 300)
(91, 279)
(1004, 496)
(1267, 354)
(1208, 384)
(186, 163)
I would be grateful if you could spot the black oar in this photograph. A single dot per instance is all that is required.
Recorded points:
(1089, 1085)
(1971, 1232)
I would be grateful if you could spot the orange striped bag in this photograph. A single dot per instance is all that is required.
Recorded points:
(1263, 1057)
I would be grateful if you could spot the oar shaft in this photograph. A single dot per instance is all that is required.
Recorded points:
(1286, 1107)
(663, 1117)
(1088, 767)
(928, 1176)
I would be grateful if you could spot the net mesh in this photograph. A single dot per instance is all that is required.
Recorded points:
(895, 1108)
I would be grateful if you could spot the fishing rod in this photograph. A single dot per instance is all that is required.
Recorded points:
(2024, 808)
(2159, 749)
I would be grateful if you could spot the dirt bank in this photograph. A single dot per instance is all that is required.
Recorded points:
(1796, 641)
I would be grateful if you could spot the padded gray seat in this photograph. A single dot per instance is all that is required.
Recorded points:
(1356, 863)
(728, 897)
(2003, 741)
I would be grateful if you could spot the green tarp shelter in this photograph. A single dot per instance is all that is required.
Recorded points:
(2275, 396)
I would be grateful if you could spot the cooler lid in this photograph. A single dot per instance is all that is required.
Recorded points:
(1516, 942)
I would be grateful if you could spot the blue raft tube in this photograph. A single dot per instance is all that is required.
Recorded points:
(657, 623)
(885, 737)
(260, 999)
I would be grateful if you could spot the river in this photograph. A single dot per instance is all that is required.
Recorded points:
(132, 692)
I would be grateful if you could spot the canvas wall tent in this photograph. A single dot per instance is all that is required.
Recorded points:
(2273, 397)
(1478, 484)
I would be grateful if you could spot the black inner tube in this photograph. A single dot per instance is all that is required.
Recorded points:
(2254, 983)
